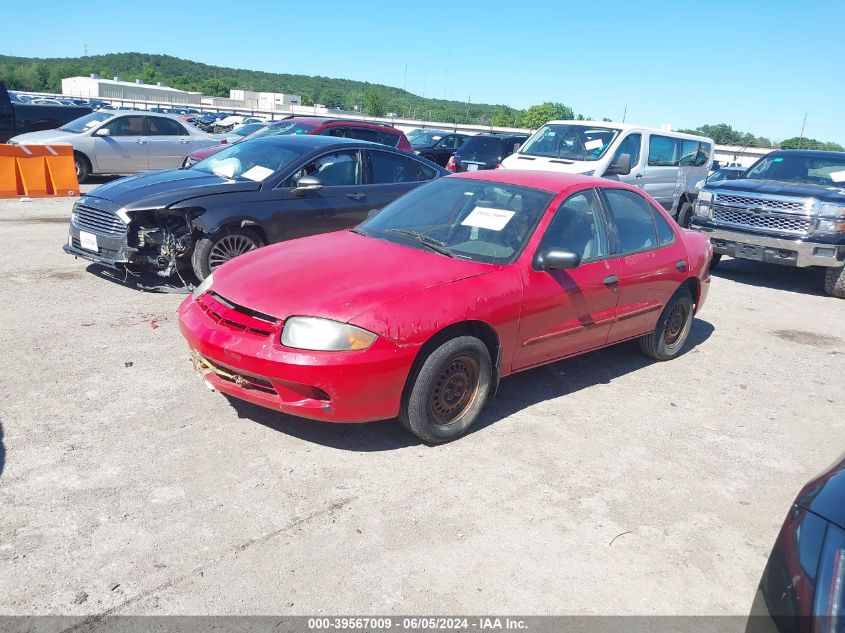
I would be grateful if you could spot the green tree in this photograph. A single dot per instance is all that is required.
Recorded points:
(504, 116)
(332, 98)
(797, 142)
(375, 103)
(538, 115)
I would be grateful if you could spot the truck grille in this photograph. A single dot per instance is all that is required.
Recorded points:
(777, 213)
(796, 224)
(764, 203)
(98, 221)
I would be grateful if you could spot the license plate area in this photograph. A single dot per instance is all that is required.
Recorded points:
(749, 251)
(88, 241)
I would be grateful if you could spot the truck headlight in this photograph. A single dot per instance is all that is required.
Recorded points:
(324, 335)
(832, 218)
(203, 287)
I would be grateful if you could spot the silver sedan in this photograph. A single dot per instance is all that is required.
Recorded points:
(123, 142)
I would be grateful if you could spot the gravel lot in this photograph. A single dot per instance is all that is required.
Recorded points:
(606, 484)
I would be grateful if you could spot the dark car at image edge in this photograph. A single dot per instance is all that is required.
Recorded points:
(802, 589)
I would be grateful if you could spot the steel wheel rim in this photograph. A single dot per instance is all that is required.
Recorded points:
(229, 247)
(454, 390)
(676, 324)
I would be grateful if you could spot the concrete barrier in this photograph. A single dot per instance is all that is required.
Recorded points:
(37, 171)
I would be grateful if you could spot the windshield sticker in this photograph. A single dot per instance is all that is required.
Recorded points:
(488, 218)
(777, 160)
(837, 176)
(257, 173)
(226, 168)
(594, 144)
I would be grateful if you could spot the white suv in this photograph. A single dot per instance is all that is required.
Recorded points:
(665, 164)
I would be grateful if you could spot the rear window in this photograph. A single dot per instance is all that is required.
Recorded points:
(481, 148)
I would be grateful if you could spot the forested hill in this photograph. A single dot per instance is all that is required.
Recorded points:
(45, 75)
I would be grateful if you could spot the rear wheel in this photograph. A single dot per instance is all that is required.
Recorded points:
(672, 328)
(83, 167)
(449, 391)
(213, 251)
(834, 282)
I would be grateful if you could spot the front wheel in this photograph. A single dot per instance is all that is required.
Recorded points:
(834, 282)
(685, 214)
(672, 330)
(213, 251)
(449, 391)
(717, 257)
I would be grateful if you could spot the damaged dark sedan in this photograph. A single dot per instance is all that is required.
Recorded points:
(246, 196)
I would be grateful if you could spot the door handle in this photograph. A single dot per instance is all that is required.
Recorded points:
(184, 142)
(611, 280)
(638, 176)
(140, 142)
(356, 196)
(681, 265)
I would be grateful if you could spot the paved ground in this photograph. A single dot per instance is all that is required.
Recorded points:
(602, 485)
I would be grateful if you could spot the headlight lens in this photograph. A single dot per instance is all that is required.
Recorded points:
(832, 218)
(703, 209)
(830, 587)
(324, 335)
(203, 287)
(834, 210)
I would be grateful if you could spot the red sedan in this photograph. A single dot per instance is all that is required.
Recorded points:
(419, 311)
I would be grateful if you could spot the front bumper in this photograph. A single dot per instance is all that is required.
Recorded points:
(775, 250)
(111, 250)
(360, 386)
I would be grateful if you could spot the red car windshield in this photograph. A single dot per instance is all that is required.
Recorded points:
(482, 221)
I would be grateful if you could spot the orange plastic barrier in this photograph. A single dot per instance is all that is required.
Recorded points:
(37, 171)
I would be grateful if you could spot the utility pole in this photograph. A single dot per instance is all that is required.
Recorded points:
(801, 137)
(469, 98)
(445, 81)
(425, 80)
(625, 113)
(405, 79)
(85, 49)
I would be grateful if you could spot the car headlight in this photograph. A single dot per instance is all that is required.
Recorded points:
(832, 218)
(203, 287)
(324, 335)
(703, 206)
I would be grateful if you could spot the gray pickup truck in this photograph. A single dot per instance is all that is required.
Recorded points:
(788, 209)
(20, 118)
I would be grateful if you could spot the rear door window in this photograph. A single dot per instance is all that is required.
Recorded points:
(634, 220)
(159, 126)
(662, 151)
(388, 168)
(389, 138)
(364, 134)
(126, 126)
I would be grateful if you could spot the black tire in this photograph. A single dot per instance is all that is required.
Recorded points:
(834, 282)
(672, 330)
(212, 251)
(717, 257)
(448, 392)
(83, 167)
(685, 214)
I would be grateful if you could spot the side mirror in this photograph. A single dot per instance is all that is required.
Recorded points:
(307, 183)
(556, 259)
(102, 132)
(622, 166)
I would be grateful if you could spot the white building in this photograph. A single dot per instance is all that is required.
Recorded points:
(265, 100)
(94, 87)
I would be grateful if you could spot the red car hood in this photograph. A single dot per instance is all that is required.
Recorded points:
(336, 275)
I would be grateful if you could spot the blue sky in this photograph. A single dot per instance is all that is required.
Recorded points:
(759, 66)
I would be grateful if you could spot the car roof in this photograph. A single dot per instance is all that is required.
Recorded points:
(550, 181)
(317, 121)
(625, 127)
(321, 142)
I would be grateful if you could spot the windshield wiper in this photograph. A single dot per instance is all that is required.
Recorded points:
(430, 243)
